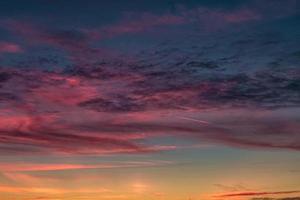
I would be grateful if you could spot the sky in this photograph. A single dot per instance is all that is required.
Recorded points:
(149, 100)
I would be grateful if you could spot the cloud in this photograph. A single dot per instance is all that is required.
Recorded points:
(45, 190)
(80, 46)
(206, 17)
(98, 106)
(35, 167)
(7, 47)
(210, 19)
(285, 198)
(136, 23)
(61, 113)
(76, 44)
(255, 193)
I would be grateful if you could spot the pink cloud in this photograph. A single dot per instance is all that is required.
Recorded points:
(144, 22)
(78, 40)
(147, 21)
(242, 15)
(75, 43)
(31, 167)
(79, 43)
(44, 113)
(7, 47)
(213, 19)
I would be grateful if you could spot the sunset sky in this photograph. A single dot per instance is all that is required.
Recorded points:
(150, 100)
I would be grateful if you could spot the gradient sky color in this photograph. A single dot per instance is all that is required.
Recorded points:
(149, 100)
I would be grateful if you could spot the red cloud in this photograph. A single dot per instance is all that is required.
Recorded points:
(75, 40)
